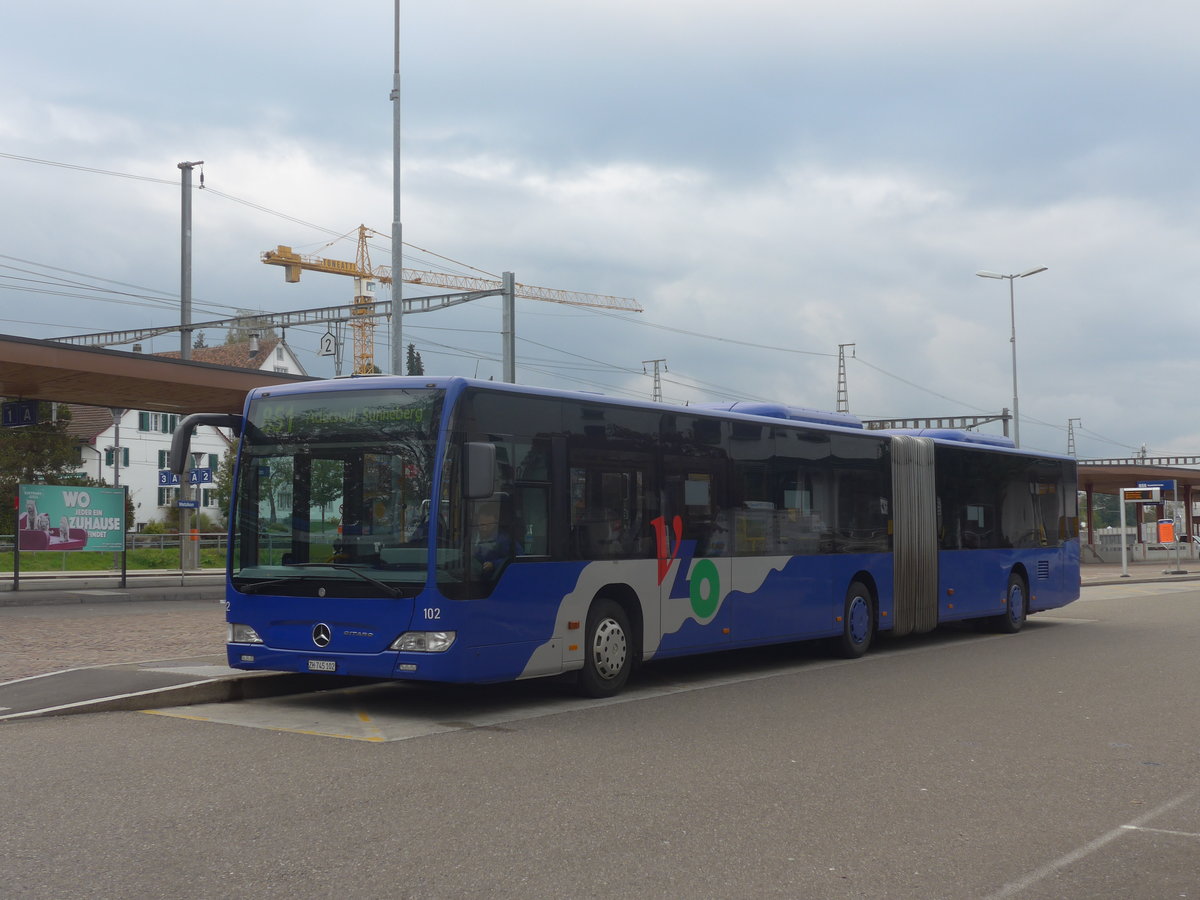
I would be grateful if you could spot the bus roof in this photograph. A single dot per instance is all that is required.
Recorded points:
(959, 437)
(736, 408)
(782, 411)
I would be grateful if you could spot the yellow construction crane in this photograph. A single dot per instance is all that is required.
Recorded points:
(363, 324)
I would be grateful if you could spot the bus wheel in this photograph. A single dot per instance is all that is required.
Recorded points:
(608, 658)
(858, 622)
(1013, 617)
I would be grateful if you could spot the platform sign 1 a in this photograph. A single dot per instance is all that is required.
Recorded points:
(19, 413)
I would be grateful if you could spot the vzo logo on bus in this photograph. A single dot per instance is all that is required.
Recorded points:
(703, 589)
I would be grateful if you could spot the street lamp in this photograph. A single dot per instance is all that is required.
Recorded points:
(1012, 311)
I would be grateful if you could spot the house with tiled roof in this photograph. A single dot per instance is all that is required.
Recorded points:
(269, 354)
(131, 447)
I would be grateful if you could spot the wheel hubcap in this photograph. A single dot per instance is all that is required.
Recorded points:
(609, 648)
(858, 619)
(1016, 603)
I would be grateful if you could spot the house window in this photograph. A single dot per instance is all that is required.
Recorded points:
(279, 352)
(109, 452)
(283, 369)
(167, 496)
(162, 423)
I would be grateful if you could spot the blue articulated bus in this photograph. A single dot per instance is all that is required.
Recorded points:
(453, 530)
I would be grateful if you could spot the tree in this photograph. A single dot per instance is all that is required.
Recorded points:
(37, 454)
(1106, 512)
(327, 483)
(198, 343)
(414, 364)
(276, 486)
(223, 483)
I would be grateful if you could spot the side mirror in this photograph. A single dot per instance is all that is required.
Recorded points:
(479, 461)
(177, 458)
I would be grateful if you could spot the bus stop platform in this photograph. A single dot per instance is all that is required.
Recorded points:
(1143, 572)
(54, 588)
(148, 685)
(184, 680)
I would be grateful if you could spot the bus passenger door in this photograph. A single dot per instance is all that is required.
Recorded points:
(694, 550)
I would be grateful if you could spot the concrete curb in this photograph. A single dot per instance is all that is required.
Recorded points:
(223, 689)
(1142, 579)
(39, 582)
(59, 597)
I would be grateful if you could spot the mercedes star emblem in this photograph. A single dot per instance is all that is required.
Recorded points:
(322, 635)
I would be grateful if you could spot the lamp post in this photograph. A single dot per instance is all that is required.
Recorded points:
(1012, 312)
(185, 259)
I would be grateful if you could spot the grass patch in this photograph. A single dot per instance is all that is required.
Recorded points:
(103, 561)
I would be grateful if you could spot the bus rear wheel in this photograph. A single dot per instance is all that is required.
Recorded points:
(608, 656)
(858, 621)
(1015, 609)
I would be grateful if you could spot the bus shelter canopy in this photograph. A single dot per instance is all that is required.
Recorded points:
(33, 369)
(1109, 477)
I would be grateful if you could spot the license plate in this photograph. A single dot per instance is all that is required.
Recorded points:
(322, 665)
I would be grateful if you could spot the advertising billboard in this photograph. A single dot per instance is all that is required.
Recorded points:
(62, 517)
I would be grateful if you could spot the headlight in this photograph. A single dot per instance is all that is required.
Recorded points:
(424, 641)
(241, 634)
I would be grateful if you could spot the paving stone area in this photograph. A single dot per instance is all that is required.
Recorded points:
(42, 639)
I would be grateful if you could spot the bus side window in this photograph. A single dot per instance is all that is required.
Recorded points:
(609, 513)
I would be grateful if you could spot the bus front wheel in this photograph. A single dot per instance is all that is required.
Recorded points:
(608, 656)
(858, 621)
(1016, 607)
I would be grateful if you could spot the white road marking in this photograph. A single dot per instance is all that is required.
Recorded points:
(1015, 887)
(1187, 834)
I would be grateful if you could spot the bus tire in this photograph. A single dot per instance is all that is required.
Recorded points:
(858, 621)
(608, 656)
(1016, 607)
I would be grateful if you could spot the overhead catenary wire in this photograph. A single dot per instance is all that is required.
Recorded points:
(154, 299)
(215, 192)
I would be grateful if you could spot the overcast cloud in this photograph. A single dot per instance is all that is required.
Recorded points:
(769, 179)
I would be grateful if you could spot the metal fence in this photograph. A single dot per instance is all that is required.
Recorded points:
(218, 540)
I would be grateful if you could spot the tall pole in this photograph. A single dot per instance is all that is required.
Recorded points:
(509, 325)
(185, 261)
(397, 231)
(657, 395)
(843, 395)
(1071, 436)
(1012, 312)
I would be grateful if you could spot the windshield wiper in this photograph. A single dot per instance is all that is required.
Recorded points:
(383, 586)
(254, 587)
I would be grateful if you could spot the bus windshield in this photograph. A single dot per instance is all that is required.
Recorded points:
(336, 486)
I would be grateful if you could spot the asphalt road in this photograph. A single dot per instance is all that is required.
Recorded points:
(1058, 763)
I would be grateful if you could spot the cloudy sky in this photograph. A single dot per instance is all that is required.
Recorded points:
(768, 178)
